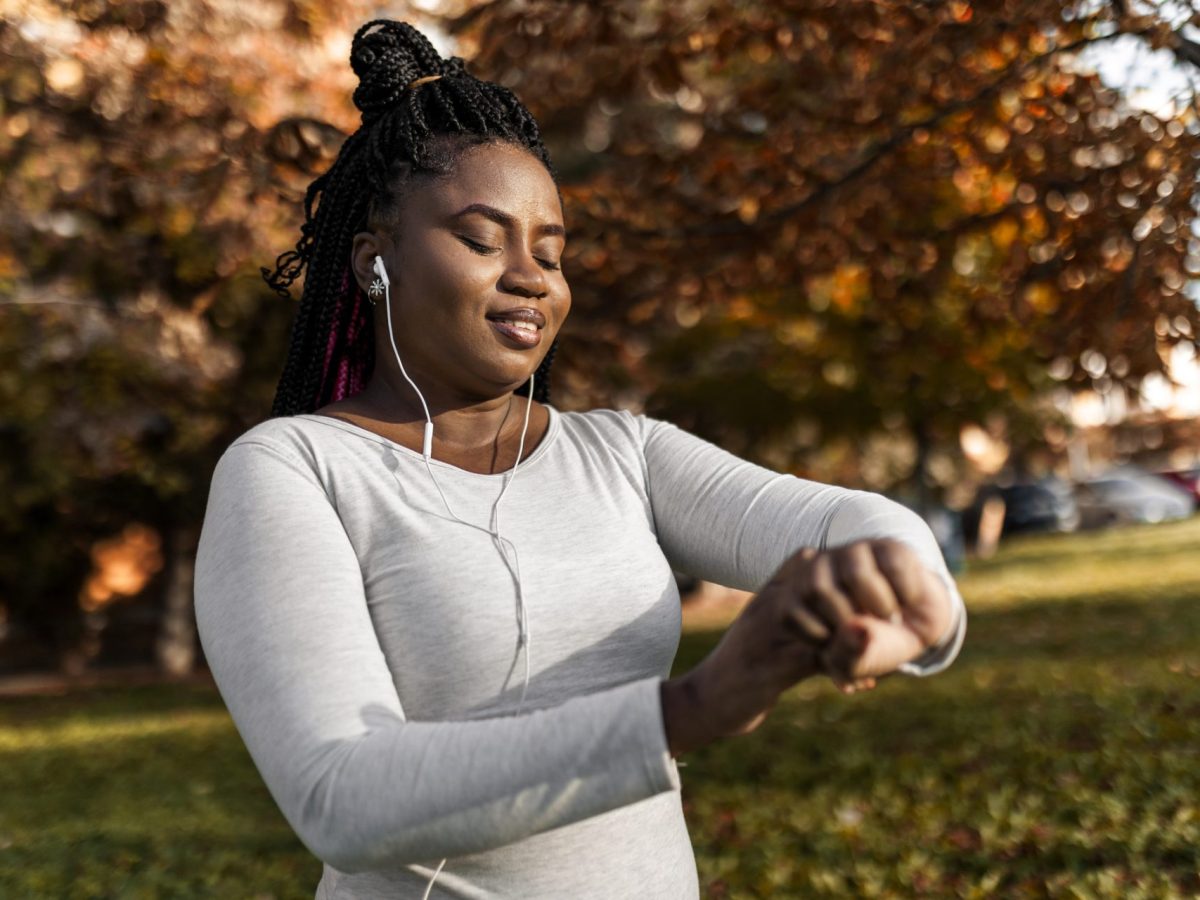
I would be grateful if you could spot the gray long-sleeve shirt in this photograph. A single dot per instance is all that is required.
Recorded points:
(366, 643)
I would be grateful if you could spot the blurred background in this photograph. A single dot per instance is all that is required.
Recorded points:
(946, 251)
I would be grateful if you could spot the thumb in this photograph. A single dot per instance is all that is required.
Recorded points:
(841, 656)
(868, 647)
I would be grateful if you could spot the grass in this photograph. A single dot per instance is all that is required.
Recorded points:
(1058, 757)
(145, 792)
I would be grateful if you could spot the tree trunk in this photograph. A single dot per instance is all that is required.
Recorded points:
(924, 443)
(176, 645)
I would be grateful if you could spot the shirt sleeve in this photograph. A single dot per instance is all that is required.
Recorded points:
(729, 521)
(286, 631)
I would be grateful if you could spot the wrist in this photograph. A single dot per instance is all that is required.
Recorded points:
(683, 721)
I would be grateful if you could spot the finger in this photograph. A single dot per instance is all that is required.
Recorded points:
(903, 570)
(885, 648)
(793, 571)
(807, 625)
(824, 596)
(863, 582)
(923, 597)
(799, 560)
(858, 684)
(842, 657)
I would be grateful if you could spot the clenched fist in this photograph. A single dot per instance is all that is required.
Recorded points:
(854, 613)
(869, 606)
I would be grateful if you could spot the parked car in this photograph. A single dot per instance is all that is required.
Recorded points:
(1045, 505)
(1131, 494)
(1188, 479)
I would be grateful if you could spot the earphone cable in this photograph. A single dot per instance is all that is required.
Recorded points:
(523, 633)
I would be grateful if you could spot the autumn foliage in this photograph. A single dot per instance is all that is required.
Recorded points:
(805, 222)
(825, 234)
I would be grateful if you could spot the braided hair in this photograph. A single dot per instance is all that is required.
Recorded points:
(404, 132)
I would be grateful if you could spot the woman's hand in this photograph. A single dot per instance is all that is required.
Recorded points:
(854, 613)
(872, 606)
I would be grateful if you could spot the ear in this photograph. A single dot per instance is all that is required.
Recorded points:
(363, 250)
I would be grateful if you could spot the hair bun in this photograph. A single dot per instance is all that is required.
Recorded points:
(386, 56)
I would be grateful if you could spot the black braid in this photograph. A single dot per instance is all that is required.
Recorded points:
(403, 132)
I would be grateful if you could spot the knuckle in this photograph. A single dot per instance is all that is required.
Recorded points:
(893, 569)
(893, 549)
(796, 565)
(823, 587)
(859, 575)
(895, 558)
(802, 557)
(849, 554)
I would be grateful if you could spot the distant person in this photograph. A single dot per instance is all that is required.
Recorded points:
(440, 610)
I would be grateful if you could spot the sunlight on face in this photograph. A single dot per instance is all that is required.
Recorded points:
(477, 284)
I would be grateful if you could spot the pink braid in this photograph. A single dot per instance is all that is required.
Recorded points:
(332, 341)
(349, 371)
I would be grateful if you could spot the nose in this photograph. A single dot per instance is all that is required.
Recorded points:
(524, 277)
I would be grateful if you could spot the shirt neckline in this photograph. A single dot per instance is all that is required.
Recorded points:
(552, 430)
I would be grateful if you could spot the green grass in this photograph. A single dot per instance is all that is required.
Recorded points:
(139, 793)
(1058, 757)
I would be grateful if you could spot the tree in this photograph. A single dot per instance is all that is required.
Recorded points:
(814, 232)
(154, 157)
(800, 224)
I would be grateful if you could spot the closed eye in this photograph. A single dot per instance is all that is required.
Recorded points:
(481, 249)
(484, 250)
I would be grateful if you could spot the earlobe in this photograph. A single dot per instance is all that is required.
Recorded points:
(375, 291)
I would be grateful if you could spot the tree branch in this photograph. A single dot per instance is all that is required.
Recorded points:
(733, 226)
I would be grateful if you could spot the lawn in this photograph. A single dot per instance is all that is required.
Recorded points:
(1059, 757)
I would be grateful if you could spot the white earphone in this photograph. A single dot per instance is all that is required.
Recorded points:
(494, 530)
(381, 271)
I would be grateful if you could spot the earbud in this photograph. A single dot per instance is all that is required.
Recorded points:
(381, 271)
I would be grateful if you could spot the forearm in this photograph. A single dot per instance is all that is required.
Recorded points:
(726, 520)
(407, 792)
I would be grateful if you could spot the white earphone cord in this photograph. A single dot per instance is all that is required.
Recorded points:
(522, 623)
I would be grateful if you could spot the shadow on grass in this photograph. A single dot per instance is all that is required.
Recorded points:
(111, 703)
(1060, 752)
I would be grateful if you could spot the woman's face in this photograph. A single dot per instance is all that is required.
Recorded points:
(477, 289)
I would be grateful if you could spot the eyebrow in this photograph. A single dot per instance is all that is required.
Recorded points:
(503, 218)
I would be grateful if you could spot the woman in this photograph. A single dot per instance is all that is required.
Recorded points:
(441, 612)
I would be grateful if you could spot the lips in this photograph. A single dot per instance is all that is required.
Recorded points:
(522, 325)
